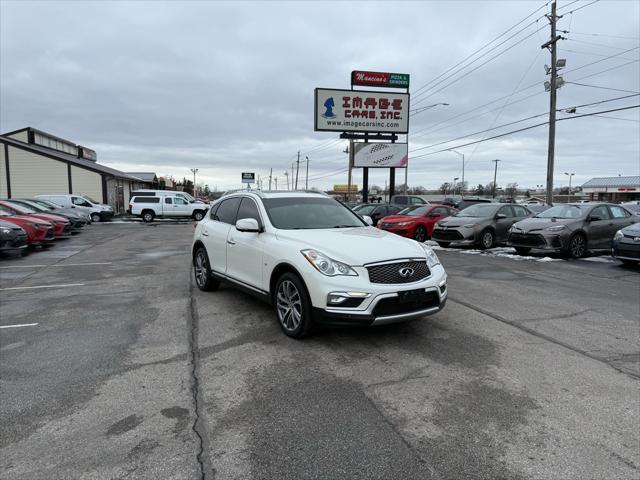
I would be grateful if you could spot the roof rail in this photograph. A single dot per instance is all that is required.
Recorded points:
(261, 193)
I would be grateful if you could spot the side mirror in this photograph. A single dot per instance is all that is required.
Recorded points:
(500, 216)
(367, 220)
(594, 218)
(435, 215)
(248, 225)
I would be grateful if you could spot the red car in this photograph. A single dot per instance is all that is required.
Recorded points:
(61, 226)
(38, 231)
(416, 221)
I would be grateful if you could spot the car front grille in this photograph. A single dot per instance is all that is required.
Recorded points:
(440, 234)
(393, 306)
(389, 273)
(530, 240)
(49, 233)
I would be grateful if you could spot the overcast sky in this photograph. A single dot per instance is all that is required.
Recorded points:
(228, 86)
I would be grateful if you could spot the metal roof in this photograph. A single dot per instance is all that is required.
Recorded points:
(65, 157)
(602, 182)
(144, 176)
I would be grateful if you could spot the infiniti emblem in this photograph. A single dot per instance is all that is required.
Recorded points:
(406, 272)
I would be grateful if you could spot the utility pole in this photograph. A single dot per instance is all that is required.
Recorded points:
(194, 170)
(276, 179)
(551, 45)
(306, 181)
(270, 174)
(495, 176)
(297, 169)
(286, 175)
(462, 155)
(349, 151)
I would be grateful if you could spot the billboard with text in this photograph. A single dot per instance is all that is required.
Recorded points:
(380, 155)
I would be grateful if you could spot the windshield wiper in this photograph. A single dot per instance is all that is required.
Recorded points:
(343, 226)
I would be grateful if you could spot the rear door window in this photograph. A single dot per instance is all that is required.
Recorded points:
(227, 211)
(619, 212)
(506, 211)
(520, 211)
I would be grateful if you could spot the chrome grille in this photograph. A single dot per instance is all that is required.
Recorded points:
(389, 273)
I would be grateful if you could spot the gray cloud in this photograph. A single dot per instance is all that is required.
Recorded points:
(227, 87)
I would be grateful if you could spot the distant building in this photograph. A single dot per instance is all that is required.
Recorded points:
(149, 179)
(33, 162)
(613, 189)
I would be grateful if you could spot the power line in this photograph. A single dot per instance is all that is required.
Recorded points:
(580, 8)
(601, 60)
(608, 70)
(603, 88)
(590, 53)
(524, 129)
(593, 44)
(605, 35)
(618, 118)
(416, 92)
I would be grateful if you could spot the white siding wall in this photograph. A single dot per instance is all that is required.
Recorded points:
(33, 174)
(86, 182)
(22, 136)
(3, 174)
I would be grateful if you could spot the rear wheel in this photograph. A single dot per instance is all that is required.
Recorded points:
(148, 216)
(198, 215)
(293, 308)
(577, 246)
(487, 239)
(202, 271)
(444, 244)
(523, 250)
(420, 234)
(95, 217)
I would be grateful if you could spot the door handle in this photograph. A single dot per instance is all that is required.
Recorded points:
(231, 241)
(205, 234)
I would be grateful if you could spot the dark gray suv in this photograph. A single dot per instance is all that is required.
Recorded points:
(572, 228)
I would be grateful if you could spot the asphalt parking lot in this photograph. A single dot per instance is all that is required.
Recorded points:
(126, 370)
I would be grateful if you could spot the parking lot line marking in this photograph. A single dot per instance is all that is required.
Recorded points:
(21, 325)
(59, 265)
(45, 286)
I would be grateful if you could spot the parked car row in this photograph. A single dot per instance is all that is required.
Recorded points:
(31, 222)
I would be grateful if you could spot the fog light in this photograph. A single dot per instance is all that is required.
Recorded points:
(443, 288)
(335, 299)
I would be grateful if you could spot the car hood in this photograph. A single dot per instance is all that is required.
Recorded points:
(49, 217)
(450, 222)
(398, 218)
(632, 229)
(537, 224)
(354, 246)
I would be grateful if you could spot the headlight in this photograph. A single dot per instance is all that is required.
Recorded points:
(468, 225)
(619, 235)
(432, 258)
(555, 228)
(326, 265)
(403, 224)
(5, 230)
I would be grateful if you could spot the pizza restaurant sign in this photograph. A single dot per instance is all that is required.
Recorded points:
(380, 79)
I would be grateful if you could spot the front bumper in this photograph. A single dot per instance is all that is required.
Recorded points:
(456, 236)
(539, 241)
(18, 242)
(382, 304)
(626, 250)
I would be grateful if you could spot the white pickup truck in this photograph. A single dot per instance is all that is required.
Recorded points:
(148, 208)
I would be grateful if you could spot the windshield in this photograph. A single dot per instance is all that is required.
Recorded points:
(90, 199)
(416, 212)
(21, 208)
(6, 212)
(565, 211)
(293, 213)
(32, 205)
(405, 211)
(364, 209)
(47, 204)
(478, 211)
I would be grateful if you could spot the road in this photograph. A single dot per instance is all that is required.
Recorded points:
(531, 371)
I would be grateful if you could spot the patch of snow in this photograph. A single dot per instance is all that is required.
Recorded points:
(606, 259)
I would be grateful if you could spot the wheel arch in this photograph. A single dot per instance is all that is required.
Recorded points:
(197, 244)
(278, 271)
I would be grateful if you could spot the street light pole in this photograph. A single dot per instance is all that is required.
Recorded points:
(569, 175)
(306, 180)
(194, 170)
(495, 176)
(462, 155)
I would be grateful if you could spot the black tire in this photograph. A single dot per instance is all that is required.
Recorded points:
(577, 247)
(420, 234)
(444, 244)
(202, 271)
(631, 263)
(487, 239)
(148, 216)
(522, 250)
(95, 217)
(293, 307)
(198, 215)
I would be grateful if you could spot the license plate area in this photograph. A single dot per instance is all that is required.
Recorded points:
(412, 296)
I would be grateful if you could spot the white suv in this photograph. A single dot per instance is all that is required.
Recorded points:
(316, 261)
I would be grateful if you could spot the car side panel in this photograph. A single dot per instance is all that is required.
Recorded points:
(214, 237)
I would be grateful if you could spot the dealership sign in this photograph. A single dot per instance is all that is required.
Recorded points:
(344, 188)
(248, 177)
(361, 111)
(380, 79)
(380, 155)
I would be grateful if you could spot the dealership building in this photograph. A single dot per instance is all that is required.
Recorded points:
(33, 162)
(612, 189)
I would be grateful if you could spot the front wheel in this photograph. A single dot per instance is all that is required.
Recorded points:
(487, 239)
(522, 250)
(420, 234)
(198, 215)
(293, 308)
(202, 271)
(95, 217)
(578, 246)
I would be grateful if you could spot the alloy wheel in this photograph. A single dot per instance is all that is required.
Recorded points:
(487, 240)
(420, 235)
(289, 305)
(578, 246)
(198, 216)
(201, 269)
